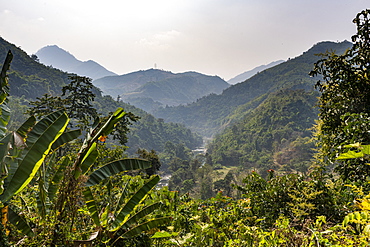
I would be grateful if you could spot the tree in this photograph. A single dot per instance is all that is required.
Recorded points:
(153, 158)
(76, 100)
(79, 96)
(35, 58)
(344, 103)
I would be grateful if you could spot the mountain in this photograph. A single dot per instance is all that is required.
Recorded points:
(58, 58)
(274, 135)
(29, 79)
(117, 85)
(211, 114)
(157, 87)
(248, 74)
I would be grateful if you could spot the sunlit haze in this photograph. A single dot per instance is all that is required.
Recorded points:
(214, 37)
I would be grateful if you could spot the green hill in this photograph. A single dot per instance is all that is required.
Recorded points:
(210, 114)
(143, 88)
(273, 135)
(29, 79)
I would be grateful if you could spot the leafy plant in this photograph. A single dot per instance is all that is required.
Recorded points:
(344, 100)
(120, 221)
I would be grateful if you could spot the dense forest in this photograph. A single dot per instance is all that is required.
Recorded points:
(274, 135)
(262, 183)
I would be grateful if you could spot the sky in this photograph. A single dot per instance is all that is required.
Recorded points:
(213, 37)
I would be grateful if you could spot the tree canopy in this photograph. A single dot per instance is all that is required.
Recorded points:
(345, 100)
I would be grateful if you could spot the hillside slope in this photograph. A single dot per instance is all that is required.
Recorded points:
(248, 74)
(30, 78)
(272, 135)
(212, 113)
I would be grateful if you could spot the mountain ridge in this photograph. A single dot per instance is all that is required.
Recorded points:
(147, 87)
(248, 74)
(53, 55)
(29, 80)
(209, 115)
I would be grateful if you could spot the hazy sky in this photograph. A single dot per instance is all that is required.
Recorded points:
(214, 37)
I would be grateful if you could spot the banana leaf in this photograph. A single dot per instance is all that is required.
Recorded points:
(114, 168)
(66, 137)
(132, 203)
(20, 223)
(142, 213)
(57, 178)
(91, 205)
(107, 128)
(4, 119)
(93, 136)
(89, 158)
(146, 226)
(39, 142)
(26, 127)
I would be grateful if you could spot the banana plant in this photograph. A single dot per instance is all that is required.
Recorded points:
(24, 158)
(83, 165)
(123, 214)
(23, 151)
(22, 154)
(4, 110)
(121, 221)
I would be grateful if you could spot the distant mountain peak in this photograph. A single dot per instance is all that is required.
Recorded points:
(59, 58)
(248, 74)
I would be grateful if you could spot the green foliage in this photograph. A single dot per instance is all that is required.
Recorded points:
(274, 135)
(38, 145)
(30, 78)
(153, 158)
(76, 100)
(344, 101)
(295, 196)
(224, 221)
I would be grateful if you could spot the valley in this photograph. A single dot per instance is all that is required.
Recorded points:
(157, 158)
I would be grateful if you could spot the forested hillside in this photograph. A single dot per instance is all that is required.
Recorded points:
(210, 114)
(275, 135)
(30, 79)
(150, 89)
